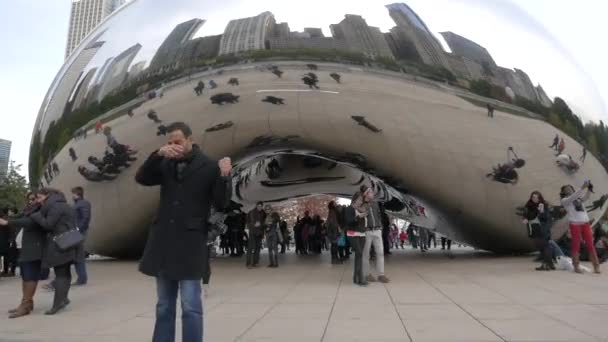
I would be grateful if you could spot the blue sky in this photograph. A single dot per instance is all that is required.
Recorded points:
(33, 33)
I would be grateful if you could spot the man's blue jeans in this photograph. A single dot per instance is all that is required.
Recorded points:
(81, 271)
(192, 310)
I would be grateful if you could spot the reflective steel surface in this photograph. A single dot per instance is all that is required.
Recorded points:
(307, 98)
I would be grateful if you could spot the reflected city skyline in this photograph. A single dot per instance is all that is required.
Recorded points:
(377, 97)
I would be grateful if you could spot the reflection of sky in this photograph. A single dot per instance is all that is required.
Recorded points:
(512, 37)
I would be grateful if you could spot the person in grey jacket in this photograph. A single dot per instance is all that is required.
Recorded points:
(273, 238)
(30, 258)
(56, 217)
(82, 207)
(373, 235)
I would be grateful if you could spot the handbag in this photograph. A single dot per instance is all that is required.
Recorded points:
(69, 239)
(534, 228)
(342, 241)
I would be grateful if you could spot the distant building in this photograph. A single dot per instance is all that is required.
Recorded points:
(308, 43)
(281, 30)
(82, 89)
(117, 71)
(360, 37)
(296, 34)
(314, 32)
(136, 69)
(66, 85)
(427, 46)
(467, 48)
(199, 49)
(521, 84)
(458, 66)
(5, 157)
(402, 46)
(167, 51)
(84, 17)
(542, 97)
(247, 34)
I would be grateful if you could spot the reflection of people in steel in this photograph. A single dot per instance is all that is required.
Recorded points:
(98, 127)
(277, 72)
(94, 176)
(312, 66)
(561, 147)
(55, 168)
(490, 110)
(152, 115)
(335, 76)
(233, 81)
(198, 90)
(273, 169)
(222, 98)
(555, 144)
(566, 162)
(584, 155)
(274, 100)
(505, 173)
(72, 154)
(162, 130)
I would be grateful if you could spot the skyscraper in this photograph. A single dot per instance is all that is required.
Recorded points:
(360, 37)
(467, 48)
(117, 71)
(314, 32)
(247, 33)
(5, 157)
(167, 52)
(85, 16)
(427, 46)
(68, 82)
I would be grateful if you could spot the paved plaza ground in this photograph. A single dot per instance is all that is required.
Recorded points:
(433, 297)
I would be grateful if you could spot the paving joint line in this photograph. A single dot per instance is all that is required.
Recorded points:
(461, 307)
(398, 313)
(333, 305)
(238, 338)
(565, 322)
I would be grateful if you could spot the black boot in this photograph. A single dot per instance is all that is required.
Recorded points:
(60, 300)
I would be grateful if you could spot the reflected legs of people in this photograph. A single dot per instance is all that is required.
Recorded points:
(176, 248)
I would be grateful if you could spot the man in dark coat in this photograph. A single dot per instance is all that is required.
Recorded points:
(82, 207)
(255, 223)
(190, 183)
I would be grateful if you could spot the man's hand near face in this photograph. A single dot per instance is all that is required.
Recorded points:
(171, 151)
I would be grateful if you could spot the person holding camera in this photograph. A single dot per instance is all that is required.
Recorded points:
(572, 201)
(537, 219)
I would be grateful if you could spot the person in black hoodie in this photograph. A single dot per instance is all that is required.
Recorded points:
(537, 219)
(30, 257)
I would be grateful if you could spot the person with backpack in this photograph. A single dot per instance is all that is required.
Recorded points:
(333, 231)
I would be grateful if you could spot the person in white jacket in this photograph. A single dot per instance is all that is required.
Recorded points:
(573, 202)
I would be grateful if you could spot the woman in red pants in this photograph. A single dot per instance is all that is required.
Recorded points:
(573, 202)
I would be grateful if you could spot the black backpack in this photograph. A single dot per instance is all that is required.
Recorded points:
(349, 217)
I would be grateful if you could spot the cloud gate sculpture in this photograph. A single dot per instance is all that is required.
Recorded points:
(311, 98)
